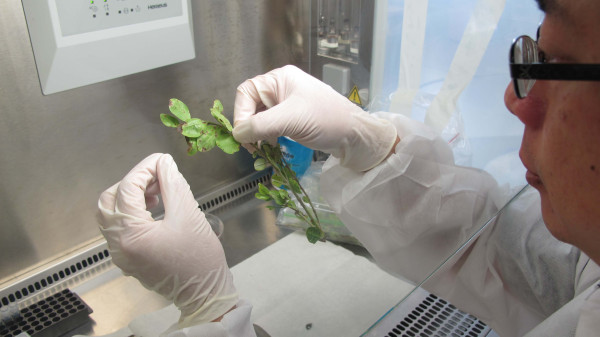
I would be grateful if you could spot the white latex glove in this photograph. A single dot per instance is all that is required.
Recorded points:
(310, 112)
(180, 257)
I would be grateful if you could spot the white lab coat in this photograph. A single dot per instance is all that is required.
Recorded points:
(415, 209)
(235, 323)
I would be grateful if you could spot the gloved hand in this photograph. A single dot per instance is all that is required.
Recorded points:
(310, 112)
(180, 257)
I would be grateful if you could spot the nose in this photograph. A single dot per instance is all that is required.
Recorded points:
(529, 109)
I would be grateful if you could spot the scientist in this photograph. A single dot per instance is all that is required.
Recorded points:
(392, 181)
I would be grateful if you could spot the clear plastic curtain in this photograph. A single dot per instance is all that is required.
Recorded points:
(445, 63)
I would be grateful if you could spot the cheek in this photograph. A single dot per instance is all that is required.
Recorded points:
(569, 158)
(534, 112)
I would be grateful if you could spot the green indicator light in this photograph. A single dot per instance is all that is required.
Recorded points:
(91, 2)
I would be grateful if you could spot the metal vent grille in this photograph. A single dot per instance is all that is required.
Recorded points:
(234, 191)
(89, 261)
(436, 317)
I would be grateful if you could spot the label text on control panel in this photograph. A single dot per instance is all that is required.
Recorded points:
(157, 6)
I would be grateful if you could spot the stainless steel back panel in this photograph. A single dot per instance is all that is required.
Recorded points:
(59, 152)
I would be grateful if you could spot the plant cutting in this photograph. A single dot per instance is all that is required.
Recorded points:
(202, 136)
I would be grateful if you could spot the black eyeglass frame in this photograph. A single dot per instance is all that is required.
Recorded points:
(548, 71)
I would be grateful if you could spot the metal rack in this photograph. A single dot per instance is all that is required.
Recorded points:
(424, 314)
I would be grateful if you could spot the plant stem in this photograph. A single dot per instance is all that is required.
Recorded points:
(309, 217)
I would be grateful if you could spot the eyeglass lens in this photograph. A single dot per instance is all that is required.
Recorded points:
(524, 52)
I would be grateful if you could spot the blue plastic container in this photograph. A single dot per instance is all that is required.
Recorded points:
(297, 155)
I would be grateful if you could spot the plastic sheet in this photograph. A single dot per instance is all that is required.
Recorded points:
(334, 228)
(446, 64)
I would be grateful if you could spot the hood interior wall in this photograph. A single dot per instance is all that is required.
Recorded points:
(60, 151)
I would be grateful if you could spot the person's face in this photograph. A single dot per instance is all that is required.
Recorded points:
(561, 141)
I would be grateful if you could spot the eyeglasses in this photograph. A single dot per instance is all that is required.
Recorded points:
(527, 64)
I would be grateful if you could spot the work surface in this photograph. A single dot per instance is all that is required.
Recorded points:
(296, 288)
(300, 289)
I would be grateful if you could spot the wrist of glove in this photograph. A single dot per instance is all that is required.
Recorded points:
(368, 144)
(180, 256)
(289, 102)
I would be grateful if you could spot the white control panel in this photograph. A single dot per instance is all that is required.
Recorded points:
(81, 16)
(80, 42)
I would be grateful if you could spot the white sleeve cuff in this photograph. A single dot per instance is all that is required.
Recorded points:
(235, 323)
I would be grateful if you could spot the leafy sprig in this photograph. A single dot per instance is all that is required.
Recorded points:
(203, 136)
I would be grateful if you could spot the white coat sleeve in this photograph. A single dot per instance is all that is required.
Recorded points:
(235, 323)
(589, 322)
(514, 275)
(416, 208)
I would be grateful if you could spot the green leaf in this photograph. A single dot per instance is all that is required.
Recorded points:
(208, 138)
(288, 173)
(264, 193)
(276, 150)
(274, 153)
(277, 180)
(314, 234)
(262, 189)
(280, 200)
(226, 142)
(192, 147)
(284, 194)
(206, 142)
(295, 185)
(262, 196)
(217, 113)
(268, 150)
(260, 164)
(179, 109)
(169, 120)
(194, 128)
(291, 204)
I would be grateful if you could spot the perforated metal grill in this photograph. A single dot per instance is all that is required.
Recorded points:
(422, 314)
(234, 191)
(437, 318)
(51, 316)
(46, 279)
